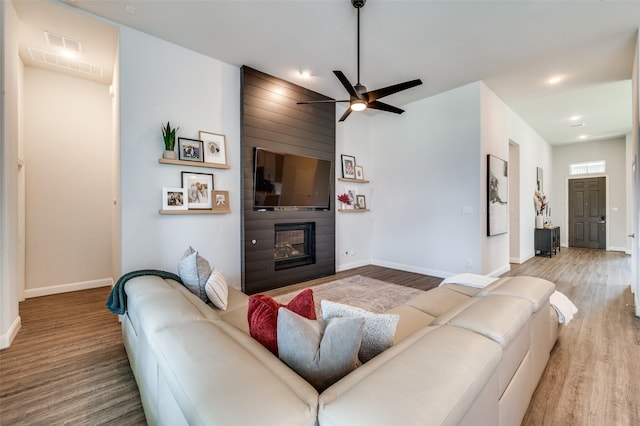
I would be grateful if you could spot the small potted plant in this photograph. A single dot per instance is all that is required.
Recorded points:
(169, 136)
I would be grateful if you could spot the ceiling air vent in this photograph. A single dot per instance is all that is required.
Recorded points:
(62, 42)
(64, 62)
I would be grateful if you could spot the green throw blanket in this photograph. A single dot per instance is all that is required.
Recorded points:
(117, 301)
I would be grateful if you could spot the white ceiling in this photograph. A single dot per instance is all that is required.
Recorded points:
(513, 46)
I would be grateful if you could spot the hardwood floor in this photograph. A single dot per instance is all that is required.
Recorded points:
(68, 366)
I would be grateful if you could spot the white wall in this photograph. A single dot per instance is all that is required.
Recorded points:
(494, 138)
(428, 183)
(160, 81)
(68, 130)
(613, 151)
(534, 152)
(11, 81)
(353, 230)
(426, 165)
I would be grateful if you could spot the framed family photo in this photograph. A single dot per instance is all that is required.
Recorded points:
(198, 187)
(348, 166)
(174, 199)
(220, 200)
(215, 147)
(190, 150)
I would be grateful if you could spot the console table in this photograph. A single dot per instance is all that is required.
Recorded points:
(547, 241)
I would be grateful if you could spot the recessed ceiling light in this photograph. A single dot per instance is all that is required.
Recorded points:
(575, 117)
(582, 137)
(305, 74)
(555, 79)
(130, 10)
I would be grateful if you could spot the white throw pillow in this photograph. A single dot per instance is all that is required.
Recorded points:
(194, 270)
(322, 352)
(217, 289)
(379, 329)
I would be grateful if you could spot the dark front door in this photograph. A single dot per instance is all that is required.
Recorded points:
(587, 213)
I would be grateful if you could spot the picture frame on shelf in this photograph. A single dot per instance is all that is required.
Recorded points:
(220, 200)
(348, 166)
(215, 147)
(198, 187)
(361, 202)
(190, 150)
(359, 172)
(174, 199)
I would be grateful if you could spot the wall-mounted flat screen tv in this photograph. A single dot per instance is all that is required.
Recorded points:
(288, 181)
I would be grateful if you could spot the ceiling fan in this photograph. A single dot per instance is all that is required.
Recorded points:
(359, 98)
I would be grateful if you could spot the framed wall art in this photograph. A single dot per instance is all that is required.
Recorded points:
(220, 200)
(198, 187)
(497, 195)
(174, 199)
(359, 172)
(539, 180)
(190, 150)
(215, 147)
(361, 202)
(348, 166)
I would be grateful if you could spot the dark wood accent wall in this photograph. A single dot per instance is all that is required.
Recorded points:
(271, 119)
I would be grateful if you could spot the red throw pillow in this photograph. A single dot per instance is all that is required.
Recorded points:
(262, 314)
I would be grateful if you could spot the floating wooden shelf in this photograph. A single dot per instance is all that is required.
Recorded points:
(203, 211)
(353, 210)
(194, 164)
(353, 180)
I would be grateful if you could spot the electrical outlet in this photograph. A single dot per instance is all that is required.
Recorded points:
(469, 264)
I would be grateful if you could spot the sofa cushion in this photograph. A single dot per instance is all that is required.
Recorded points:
(437, 301)
(379, 329)
(322, 352)
(217, 289)
(194, 270)
(262, 315)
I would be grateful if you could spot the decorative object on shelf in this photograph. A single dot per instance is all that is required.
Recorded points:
(497, 195)
(361, 201)
(198, 187)
(215, 147)
(542, 206)
(359, 173)
(174, 199)
(220, 200)
(190, 150)
(345, 200)
(348, 166)
(169, 136)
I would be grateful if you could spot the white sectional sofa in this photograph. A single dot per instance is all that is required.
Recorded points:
(461, 356)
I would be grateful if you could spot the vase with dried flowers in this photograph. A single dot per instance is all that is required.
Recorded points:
(542, 206)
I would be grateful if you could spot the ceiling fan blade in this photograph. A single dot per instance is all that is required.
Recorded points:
(328, 101)
(345, 115)
(384, 107)
(347, 85)
(386, 91)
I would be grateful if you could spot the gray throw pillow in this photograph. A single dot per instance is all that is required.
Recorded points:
(194, 270)
(378, 332)
(322, 352)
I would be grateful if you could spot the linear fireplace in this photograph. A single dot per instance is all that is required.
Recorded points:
(295, 245)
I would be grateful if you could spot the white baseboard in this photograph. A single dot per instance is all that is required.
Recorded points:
(347, 266)
(622, 249)
(500, 271)
(7, 338)
(410, 268)
(65, 288)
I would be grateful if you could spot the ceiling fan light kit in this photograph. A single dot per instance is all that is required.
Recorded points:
(359, 98)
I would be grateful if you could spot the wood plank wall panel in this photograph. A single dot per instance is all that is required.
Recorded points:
(271, 119)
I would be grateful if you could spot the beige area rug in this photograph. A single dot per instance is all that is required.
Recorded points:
(366, 293)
